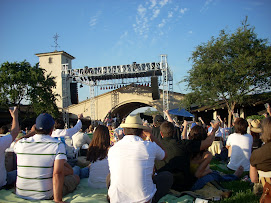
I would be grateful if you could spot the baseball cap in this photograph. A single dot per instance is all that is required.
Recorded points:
(44, 122)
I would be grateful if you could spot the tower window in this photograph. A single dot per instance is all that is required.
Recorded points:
(50, 60)
(67, 60)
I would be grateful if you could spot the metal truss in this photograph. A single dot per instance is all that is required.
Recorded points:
(120, 75)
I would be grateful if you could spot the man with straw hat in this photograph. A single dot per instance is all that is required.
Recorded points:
(131, 164)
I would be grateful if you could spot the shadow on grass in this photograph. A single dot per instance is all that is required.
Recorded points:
(242, 191)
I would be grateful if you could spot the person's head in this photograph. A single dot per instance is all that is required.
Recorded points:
(59, 124)
(4, 129)
(255, 126)
(133, 125)
(240, 126)
(44, 124)
(158, 120)
(213, 122)
(167, 129)
(90, 128)
(197, 133)
(266, 130)
(99, 144)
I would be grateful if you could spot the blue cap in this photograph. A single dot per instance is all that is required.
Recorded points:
(193, 125)
(44, 122)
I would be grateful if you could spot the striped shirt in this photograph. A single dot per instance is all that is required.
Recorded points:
(35, 161)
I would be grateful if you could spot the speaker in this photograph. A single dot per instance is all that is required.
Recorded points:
(74, 93)
(154, 88)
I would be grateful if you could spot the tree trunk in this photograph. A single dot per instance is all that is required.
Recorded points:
(229, 118)
(230, 112)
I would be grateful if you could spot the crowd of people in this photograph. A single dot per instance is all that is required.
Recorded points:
(135, 160)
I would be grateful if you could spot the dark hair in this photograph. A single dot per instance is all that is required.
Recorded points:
(240, 126)
(59, 124)
(99, 144)
(4, 129)
(197, 133)
(133, 131)
(167, 129)
(43, 131)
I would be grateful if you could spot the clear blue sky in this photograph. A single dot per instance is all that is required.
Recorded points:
(116, 32)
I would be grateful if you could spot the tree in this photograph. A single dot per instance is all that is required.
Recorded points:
(228, 68)
(20, 83)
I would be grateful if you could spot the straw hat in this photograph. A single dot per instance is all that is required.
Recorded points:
(256, 126)
(133, 122)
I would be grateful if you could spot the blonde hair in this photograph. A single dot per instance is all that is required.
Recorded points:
(266, 130)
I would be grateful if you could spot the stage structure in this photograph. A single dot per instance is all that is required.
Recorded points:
(115, 77)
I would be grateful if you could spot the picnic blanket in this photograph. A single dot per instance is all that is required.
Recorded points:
(83, 193)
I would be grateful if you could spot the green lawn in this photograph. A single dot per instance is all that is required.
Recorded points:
(242, 191)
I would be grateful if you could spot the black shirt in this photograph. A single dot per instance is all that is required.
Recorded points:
(178, 161)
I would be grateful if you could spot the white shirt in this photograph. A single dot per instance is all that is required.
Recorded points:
(240, 150)
(5, 142)
(67, 132)
(79, 139)
(35, 164)
(98, 172)
(131, 163)
(218, 133)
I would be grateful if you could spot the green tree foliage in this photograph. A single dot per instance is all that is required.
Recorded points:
(228, 68)
(20, 83)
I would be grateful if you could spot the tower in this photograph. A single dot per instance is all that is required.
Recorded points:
(54, 63)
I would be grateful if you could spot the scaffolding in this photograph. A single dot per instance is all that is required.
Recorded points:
(65, 94)
(117, 76)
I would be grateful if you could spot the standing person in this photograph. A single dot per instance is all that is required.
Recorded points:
(41, 164)
(60, 130)
(131, 164)
(179, 153)
(97, 155)
(5, 141)
(240, 145)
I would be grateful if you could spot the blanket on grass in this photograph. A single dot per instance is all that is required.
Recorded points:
(83, 193)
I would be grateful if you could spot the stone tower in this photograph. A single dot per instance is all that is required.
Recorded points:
(53, 62)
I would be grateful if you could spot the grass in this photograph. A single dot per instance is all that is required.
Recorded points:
(242, 191)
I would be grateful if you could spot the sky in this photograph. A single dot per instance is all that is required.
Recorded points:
(119, 32)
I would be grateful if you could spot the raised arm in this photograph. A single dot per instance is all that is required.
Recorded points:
(15, 123)
(77, 127)
(209, 140)
(152, 138)
(202, 122)
(169, 119)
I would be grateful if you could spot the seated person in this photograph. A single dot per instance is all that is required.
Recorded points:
(240, 145)
(261, 158)
(5, 141)
(217, 145)
(41, 164)
(200, 161)
(97, 155)
(179, 153)
(60, 130)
